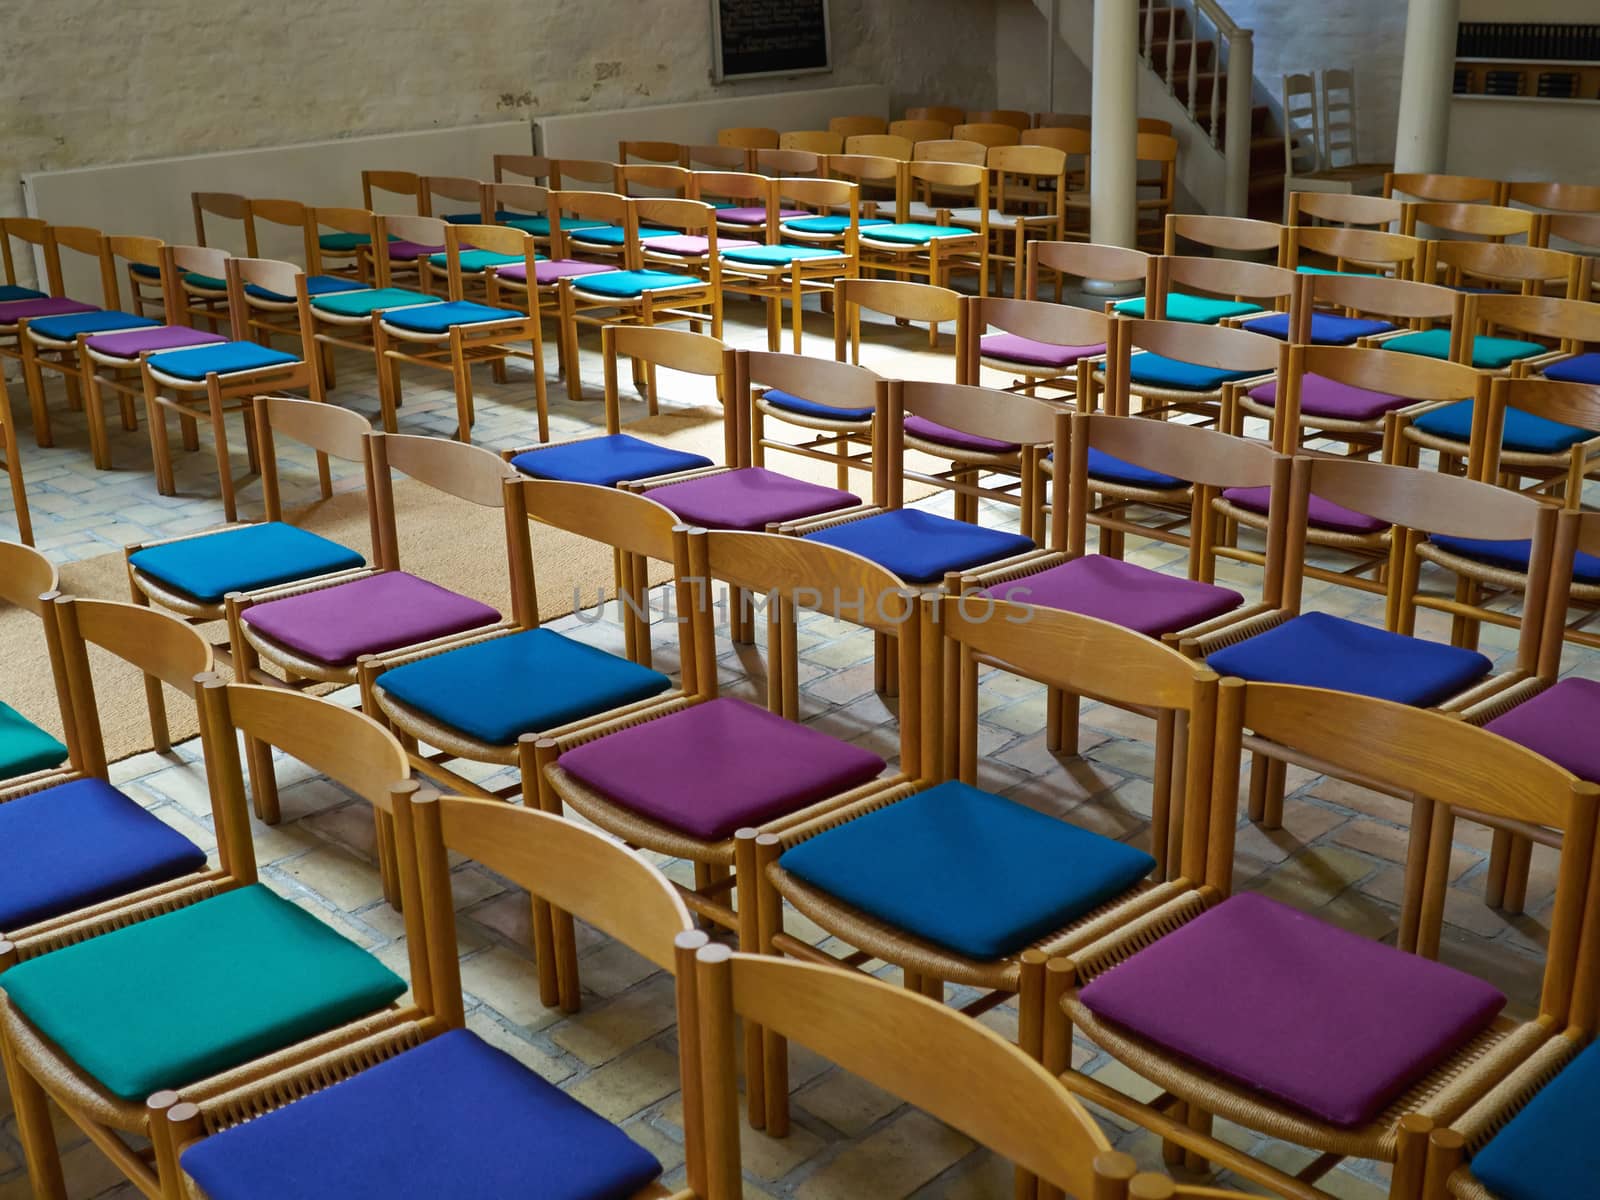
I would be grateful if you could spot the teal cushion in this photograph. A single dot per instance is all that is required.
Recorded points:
(204, 283)
(1192, 310)
(223, 358)
(777, 256)
(1157, 371)
(364, 303)
(614, 235)
(438, 318)
(628, 284)
(11, 291)
(540, 226)
(830, 225)
(217, 984)
(343, 243)
(24, 747)
(477, 260)
(967, 870)
(241, 560)
(913, 234)
(316, 285)
(1488, 353)
(1523, 431)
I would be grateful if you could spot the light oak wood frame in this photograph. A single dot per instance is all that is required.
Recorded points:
(749, 190)
(1158, 190)
(669, 153)
(876, 173)
(30, 581)
(749, 137)
(812, 141)
(1449, 769)
(199, 301)
(406, 186)
(1090, 260)
(331, 330)
(1531, 270)
(1348, 209)
(1477, 222)
(525, 168)
(858, 126)
(338, 743)
(11, 466)
(265, 317)
(1558, 477)
(463, 345)
(1204, 345)
(787, 163)
(937, 259)
(1270, 288)
(456, 189)
(987, 134)
(1029, 200)
(1575, 229)
(1443, 189)
(661, 181)
(945, 113)
(1076, 144)
(915, 131)
(1237, 235)
(1554, 197)
(533, 200)
(1391, 255)
(1040, 321)
(712, 157)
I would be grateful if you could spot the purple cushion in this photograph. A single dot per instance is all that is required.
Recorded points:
(1014, 348)
(1322, 513)
(13, 311)
(1559, 723)
(692, 244)
(749, 498)
(367, 616)
(165, 337)
(755, 216)
(1310, 1014)
(546, 271)
(719, 766)
(1109, 589)
(402, 249)
(932, 431)
(1324, 397)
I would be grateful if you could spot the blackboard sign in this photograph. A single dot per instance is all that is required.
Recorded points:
(769, 37)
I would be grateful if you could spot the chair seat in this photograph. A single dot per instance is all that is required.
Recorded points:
(956, 439)
(221, 358)
(749, 498)
(1327, 329)
(526, 682)
(828, 225)
(540, 226)
(440, 318)
(244, 559)
(1324, 397)
(1581, 368)
(1319, 650)
(316, 285)
(1312, 1015)
(811, 408)
(1558, 723)
(474, 261)
(1488, 353)
(606, 461)
(920, 547)
(10, 292)
(692, 245)
(778, 256)
(25, 748)
(913, 233)
(193, 281)
(717, 767)
(452, 1117)
(546, 271)
(336, 625)
(219, 983)
(629, 285)
(613, 235)
(13, 311)
(407, 251)
(1548, 1151)
(1158, 371)
(160, 337)
(967, 870)
(79, 843)
(1522, 432)
(742, 214)
(1014, 348)
(1109, 589)
(343, 243)
(1192, 310)
(1513, 555)
(67, 327)
(369, 300)
(1324, 514)
(1114, 470)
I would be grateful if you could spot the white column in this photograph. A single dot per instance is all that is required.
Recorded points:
(1113, 163)
(1423, 133)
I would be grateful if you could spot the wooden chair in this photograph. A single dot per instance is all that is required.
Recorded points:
(1039, 345)
(881, 145)
(1579, 234)
(1050, 120)
(653, 179)
(877, 176)
(937, 112)
(426, 1055)
(1571, 406)
(669, 153)
(1076, 145)
(455, 336)
(813, 141)
(1476, 222)
(1340, 124)
(1089, 260)
(1013, 117)
(405, 186)
(11, 464)
(1335, 1097)
(904, 300)
(921, 130)
(582, 175)
(1241, 291)
(748, 138)
(1497, 266)
(788, 163)
(1159, 188)
(840, 418)
(1554, 197)
(1029, 201)
(204, 297)
(1319, 141)
(715, 158)
(269, 315)
(1444, 189)
(862, 126)
(957, 150)
(986, 135)
(1367, 250)
(1346, 308)
(960, 1072)
(78, 847)
(743, 200)
(463, 196)
(1336, 208)
(31, 756)
(526, 168)
(1186, 368)
(911, 249)
(222, 976)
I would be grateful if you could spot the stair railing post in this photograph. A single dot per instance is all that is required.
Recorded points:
(1172, 50)
(1219, 73)
(1053, 38)
(1236, 147)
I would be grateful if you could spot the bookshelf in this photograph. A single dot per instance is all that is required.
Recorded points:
(1532, 61)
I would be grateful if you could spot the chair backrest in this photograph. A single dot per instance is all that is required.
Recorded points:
(29, 231)
(528, 168)
(462, 195)
(1572, 325)
(862, 126)
(360, 221)
(1346, 208)
(1026, 177)
(1223, 233)
(583, 175)
(596, 206)
(1443, 189)
(1530, 268)
(867, 170)
(744, 187)
(884, 145)
(969, 180)
(91, 243)
(937, 112)
(937, 1059)
(200, 260)
(833, 384)
(1037, 320)
(1339, 122)
(277, 279)
(815, 141)
(1575, 404)
(787, 162)
(1271, 286)
(1580, 229)
(919, 130)
(289, 214)
(1052, 120)
(407, 184)
(1204, 345)
(956, 150)
(1555, 197)
(326, 428)
(1155, 125)
(987, 135)
(748, 137)
(1090, 260)
(677, 350)
(1070, 140)
(716, 158)
(986, 412)
(902, 299)
(1491, 222)
(1156, 148)
(516, 198)
(651, 179)
(1013, 117)
(1392, 254)
(650, 152)
(461, 237)
(230, 207)
(25, 575)
(1404, 300)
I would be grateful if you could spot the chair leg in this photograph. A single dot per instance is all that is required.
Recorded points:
(33, 383)
(541, 397)
(1521, 861)
(94, 413)
(461, 376)
(155, 700)
(39, 1147)
(555, 941)
(1161, 798)
(13, 466)
(219, 437)
(160, 448)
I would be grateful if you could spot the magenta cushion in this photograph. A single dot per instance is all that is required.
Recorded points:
(165, 337)
(691, 245)
(755, 216)
(1324, 397)
(404, 250)
(1319, 512)
(546, 271)
(719, 766)
(749, 498)
(13, 311)
(1559, 723)
(1312, 1015)
(337, 625)
(1109, 589)
(1015, 348)
(959, 439)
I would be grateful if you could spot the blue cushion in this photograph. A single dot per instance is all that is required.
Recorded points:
(968, 870)
(1581, 368)
(1327, 329)
(1512, 555)
(914, 234)
(68, 326)
(810, 408)
(628, 284)
(769, 256)
(242, 560)
(921, 546)
(1157, 371)
(615, 235)
(1549, 1151)
(1115, 470)
(522, 683)
(24, 747)
(453, 1117)
(11, 291)
(1318, 650)
(1523, 431)
(438, 318)
(828, 225)
(606, 461)
(1192, 310)
(316, 285)
(540, 226)
(224, 358)
(79, 843)
(1488, 353)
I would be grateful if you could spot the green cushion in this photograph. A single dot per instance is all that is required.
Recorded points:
(24, 747)
(1193, 310)
(180, 997)
(361, 304)
(1488, 353)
